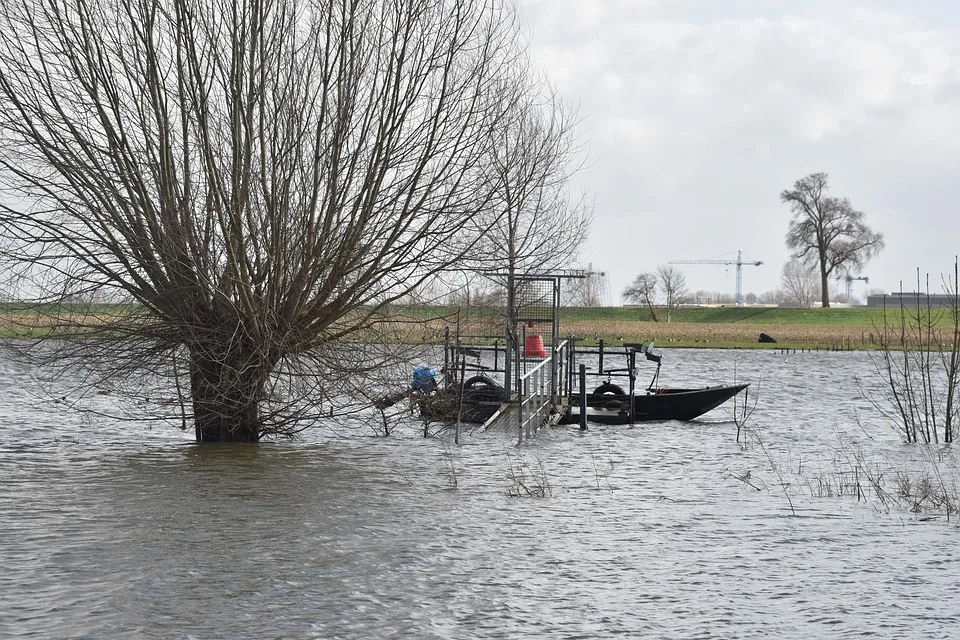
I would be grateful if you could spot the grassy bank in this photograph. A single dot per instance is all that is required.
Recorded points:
(767, 316)
(733, 327)
(715, 327)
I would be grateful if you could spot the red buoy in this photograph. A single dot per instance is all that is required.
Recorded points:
(533, 347)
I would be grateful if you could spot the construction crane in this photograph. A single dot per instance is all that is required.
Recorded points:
(850, 279)
(739, 262)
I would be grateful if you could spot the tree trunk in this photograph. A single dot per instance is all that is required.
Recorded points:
(824, 286)
(226, 394)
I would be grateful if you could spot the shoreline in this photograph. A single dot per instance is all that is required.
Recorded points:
(727, 336)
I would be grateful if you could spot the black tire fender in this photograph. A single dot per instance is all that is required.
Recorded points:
(608, 388)
(480, 380)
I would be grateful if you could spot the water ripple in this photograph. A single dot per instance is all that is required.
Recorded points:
(648, 530)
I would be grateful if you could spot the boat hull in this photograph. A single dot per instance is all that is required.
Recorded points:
(480, 401)
(656, 405)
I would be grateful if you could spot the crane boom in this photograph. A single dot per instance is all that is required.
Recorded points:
(739, 262)
(850, 279)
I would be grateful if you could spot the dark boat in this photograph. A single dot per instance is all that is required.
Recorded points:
(477, 398)
(606, 406)
(611, 404)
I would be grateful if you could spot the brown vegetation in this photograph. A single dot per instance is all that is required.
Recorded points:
(676, 334)
(722, 335)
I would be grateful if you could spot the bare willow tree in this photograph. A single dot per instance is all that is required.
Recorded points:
(536, 223)
(252, 180)
(674, 286)
(799, 283)
(827, 231)
(540, 224)
(643, 291)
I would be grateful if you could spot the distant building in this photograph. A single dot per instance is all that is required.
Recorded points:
(910, 300)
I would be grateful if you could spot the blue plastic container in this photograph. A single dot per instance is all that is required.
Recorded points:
(424, 378)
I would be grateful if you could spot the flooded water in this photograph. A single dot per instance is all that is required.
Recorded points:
(663, 530)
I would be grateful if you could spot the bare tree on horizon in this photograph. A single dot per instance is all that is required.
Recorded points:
(799, 283)
(674, 285)
(643, 291)
(827, 231)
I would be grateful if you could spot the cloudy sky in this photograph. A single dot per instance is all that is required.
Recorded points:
(698, 113)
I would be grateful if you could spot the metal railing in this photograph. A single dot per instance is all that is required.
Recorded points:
(540, 392)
